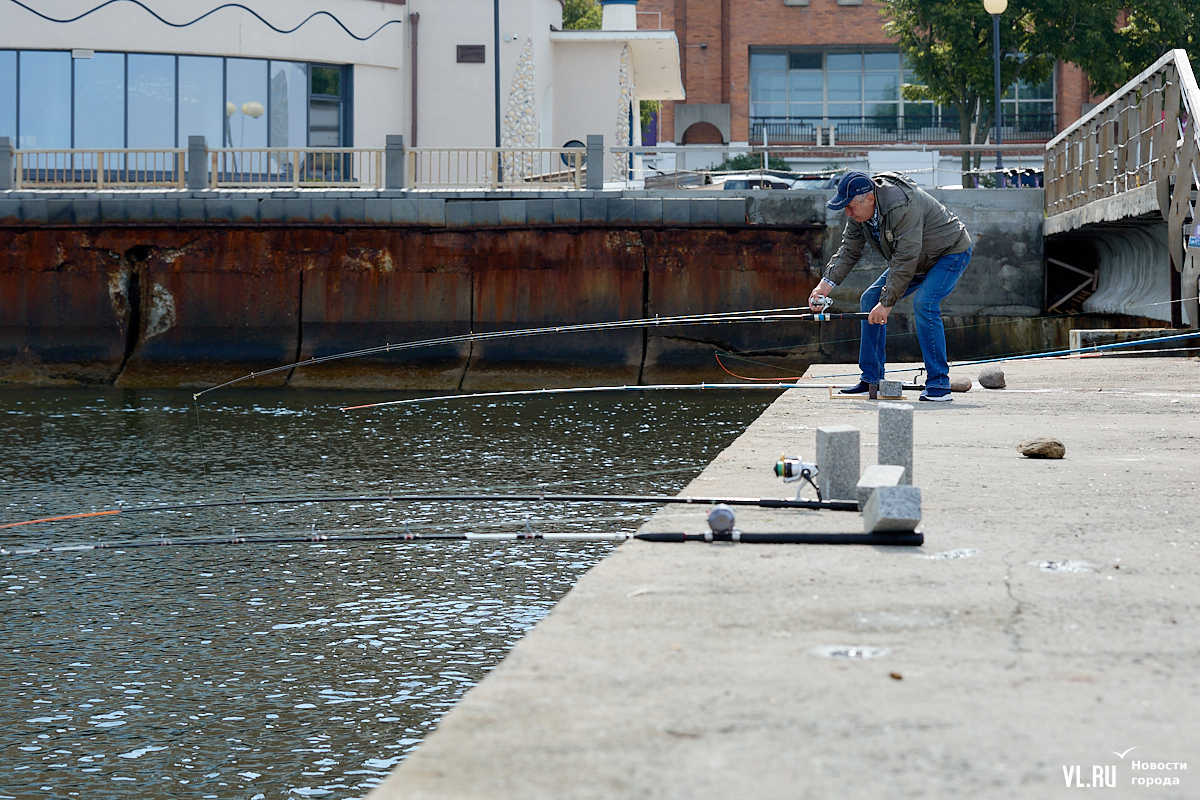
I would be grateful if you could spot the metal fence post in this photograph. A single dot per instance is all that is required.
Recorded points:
(197, 168)
(595, 161)
(6, 164)
(394, 162)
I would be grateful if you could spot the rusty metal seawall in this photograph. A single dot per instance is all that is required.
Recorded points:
(189, 289)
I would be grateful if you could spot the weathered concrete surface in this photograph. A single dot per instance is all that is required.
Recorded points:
(681, 671)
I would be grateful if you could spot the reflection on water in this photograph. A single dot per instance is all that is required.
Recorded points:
(276, 670)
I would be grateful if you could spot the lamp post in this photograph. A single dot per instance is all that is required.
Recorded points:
(996, 8)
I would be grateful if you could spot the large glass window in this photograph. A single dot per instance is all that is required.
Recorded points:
(8, 94)
(245, 102)
(100, 101)
(859, 95)
(53, 100)
(202, 99)
(44, 111)
(151, 121)
(288, 104)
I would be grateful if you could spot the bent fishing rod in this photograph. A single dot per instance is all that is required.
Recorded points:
(795, 313)
(760, 502)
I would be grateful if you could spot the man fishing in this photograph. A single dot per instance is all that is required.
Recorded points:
(926, 248)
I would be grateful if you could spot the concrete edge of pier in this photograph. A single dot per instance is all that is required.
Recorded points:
(1047, 624)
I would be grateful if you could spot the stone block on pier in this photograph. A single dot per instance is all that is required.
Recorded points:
(875, 477)
(891, 389)
(837, 460)
(896, 437)
(677, 211)
(892, 509)
(511, 212)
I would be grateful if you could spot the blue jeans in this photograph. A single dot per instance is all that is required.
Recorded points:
(930, 289)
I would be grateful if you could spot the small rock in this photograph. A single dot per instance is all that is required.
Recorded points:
(1042, 447)
(960, 384)
(991, 378)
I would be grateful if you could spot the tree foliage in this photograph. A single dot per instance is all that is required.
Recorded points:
(579, 15)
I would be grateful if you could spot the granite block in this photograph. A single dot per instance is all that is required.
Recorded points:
(896, 437)
(511, 212)
(566, 211)
(218, 209)
(593, 210)
(731, 211)
(323, 209)
(485, 213)
(10, 210)
(620, 211)
(875, 476)
(270, 209)
(297, 209)
(430, 212)
(117, 210)
(892, 509)
(191, 210)
(539, 212)
(676, 211)
(137, 210)
(60, 212)
(837, 461)
(405, 211)
(34, 211)
(647, 211)
(351, 209)
(458, 214)
(165, 210)
(704, 211)
(244, 209)
(378, 209)
(891, 389)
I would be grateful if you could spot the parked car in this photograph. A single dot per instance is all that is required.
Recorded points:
(817, 181)
(743, 181)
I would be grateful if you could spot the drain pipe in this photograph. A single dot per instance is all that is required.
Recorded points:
(413, 19)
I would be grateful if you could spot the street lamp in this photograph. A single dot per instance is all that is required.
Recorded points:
(996, 8)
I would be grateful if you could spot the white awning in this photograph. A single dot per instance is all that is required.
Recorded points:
(656, 74)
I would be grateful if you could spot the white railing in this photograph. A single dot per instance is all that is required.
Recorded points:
(99, 169)
(495, 168)
(307, 168)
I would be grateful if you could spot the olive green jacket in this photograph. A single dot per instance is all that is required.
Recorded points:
(916, 230)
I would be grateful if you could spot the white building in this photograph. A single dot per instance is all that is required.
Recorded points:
(296, 73)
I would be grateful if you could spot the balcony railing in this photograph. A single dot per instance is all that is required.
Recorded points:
(99, 169)
(495, 168)
(857, 130)
(335, 167)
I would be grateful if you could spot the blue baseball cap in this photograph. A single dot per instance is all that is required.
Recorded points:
(851, 185)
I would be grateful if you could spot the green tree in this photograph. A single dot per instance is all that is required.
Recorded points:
(581, 15)
(1114, 40)
(948, 46)
(749, 162)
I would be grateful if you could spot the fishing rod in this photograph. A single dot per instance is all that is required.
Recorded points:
(760, 502)
(909, 539)
(795, 313)
(585, 389)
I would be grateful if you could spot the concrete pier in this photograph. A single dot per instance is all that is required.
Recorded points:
(1048, 625)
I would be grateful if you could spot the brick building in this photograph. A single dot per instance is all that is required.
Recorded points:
(796, 68)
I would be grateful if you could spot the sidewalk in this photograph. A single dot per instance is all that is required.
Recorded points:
(695, 671)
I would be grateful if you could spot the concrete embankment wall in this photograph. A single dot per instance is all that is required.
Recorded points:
(188, 288)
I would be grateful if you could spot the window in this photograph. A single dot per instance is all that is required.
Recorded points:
(858, 93)
(51, 100)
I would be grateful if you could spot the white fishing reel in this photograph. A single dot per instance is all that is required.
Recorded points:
(721, 524)
(822, 303)
(793, 469)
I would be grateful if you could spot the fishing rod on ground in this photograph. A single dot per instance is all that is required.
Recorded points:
(760, 502)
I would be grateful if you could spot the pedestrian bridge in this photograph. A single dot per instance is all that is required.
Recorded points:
(1121, 200)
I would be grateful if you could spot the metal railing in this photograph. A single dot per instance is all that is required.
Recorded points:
(495, 167)
(99, 169)
(847, 130)
(1144, 133)
(308, 168)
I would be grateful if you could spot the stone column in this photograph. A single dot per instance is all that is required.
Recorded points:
(896, 437)
(7, 175)
(393, 159)
(197, 168)
(595, 161)
(837, 462)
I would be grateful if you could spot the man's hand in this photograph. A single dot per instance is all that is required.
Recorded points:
(822, 290)
(878, 315)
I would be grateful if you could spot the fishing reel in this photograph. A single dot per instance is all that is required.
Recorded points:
(822, 303)
(721, 522)
(793, 469)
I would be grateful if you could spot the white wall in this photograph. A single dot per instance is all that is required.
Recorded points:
(587, 89)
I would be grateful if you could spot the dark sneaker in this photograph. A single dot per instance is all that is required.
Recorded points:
(862, 387)
(936, 395)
